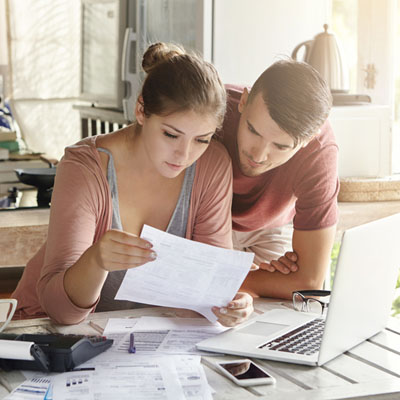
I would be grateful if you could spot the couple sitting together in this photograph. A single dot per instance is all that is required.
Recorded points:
(254, 169)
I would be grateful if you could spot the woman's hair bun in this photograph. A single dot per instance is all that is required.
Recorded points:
(160, 52)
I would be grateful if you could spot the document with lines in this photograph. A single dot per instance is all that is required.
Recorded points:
(186, 274)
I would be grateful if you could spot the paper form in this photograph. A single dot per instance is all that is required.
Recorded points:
(186, 274)
(74, 385)
(169, 335)
(143, 378)
(117, 328)
(159, 335)
(117, 373)
(193, 378)
(32, 389)
(119, 325)
(172, 377)
(177, 323)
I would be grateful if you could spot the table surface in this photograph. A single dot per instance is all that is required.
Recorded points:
(372, 369)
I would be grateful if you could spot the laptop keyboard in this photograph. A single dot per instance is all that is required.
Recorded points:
(303, 340)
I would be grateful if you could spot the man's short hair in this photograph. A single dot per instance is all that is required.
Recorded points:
(297, 97)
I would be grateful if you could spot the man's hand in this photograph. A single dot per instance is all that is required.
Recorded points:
(312, 249)
(285, 264)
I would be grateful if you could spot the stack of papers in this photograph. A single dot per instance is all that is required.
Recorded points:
(166, 365)
(170, 378)
(155, 335)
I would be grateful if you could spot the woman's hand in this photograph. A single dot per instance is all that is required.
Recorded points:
(118, 250)
(237, 310)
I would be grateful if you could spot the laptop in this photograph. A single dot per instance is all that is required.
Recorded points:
(360, 303)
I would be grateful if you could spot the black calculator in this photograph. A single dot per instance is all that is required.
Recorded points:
(56, 352)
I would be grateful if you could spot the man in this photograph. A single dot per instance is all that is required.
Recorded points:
(285, 183)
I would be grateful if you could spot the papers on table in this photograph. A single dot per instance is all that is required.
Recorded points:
(166, 370)
(186, 274)
(146, 378)
(168, 335)
(72, 385)
(32, 389)
(117, 328)
(153, 336)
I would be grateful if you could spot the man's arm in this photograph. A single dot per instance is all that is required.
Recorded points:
(313, 249)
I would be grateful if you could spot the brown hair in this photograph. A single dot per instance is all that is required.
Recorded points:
(297, 97)
(178, 81)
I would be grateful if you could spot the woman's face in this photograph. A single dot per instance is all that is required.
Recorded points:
(174, 142)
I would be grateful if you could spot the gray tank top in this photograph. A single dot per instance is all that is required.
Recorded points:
(177, 226)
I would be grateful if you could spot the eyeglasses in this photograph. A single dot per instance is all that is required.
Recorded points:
(7, 309)
(302, 301)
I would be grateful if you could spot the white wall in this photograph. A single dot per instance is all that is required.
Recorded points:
(45, 52)
(250, 35)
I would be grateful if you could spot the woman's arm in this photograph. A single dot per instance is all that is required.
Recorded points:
(78, 217)
(80, 248)
(116, 250)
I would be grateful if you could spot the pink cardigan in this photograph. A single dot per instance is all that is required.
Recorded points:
(81, 212)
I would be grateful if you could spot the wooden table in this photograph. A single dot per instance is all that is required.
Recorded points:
(370, 370)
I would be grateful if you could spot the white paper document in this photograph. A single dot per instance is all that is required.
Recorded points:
(117, 328)
(74, 385)
(147, 378)
(35, 388)
(162, 373)
(193, 378)
(161, 335)
(153, 336)
(186, 274)
(143, 378)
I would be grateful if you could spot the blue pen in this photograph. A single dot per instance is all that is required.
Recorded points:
(132, 348)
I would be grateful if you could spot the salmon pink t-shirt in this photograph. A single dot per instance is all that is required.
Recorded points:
(303, 190)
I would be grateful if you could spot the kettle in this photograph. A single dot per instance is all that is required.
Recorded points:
(323, 54)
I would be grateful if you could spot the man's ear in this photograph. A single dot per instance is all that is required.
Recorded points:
(139, 111)
(243, 100)
(305, 142)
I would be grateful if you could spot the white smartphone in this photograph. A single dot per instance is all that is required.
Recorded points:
(245, 372)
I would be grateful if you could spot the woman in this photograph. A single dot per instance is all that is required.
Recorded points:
(162, 171)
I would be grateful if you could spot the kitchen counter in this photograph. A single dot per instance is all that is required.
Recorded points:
(22, 232)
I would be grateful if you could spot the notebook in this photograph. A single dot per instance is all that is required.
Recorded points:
(360, 303)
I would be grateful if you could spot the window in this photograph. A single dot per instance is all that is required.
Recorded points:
(368, 31)
(344, 25)
(396, 124)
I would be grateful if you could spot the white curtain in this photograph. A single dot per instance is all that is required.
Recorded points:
(44, 71)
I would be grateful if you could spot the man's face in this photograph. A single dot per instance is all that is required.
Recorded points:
(262, 144)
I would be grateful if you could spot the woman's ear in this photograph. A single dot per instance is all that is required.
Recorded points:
(243, 100)
(139, 111)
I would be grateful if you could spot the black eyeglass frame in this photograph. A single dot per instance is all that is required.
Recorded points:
(304, 293)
